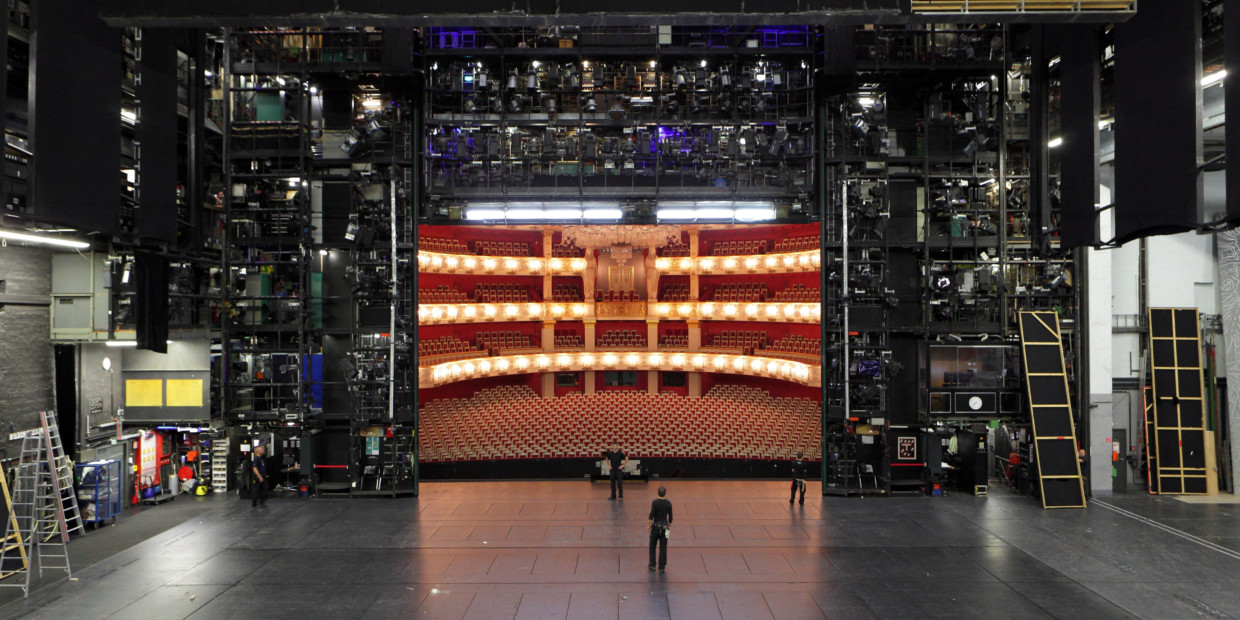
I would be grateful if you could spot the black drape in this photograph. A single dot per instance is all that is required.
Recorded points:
(151, 300)
(1158, 120)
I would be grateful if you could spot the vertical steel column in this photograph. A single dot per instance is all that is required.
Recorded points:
(393, 302)
(1039, 136)
(823, 235)
(226, 395)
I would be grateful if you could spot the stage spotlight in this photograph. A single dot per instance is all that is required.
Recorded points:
(616, 113)
(590, 106)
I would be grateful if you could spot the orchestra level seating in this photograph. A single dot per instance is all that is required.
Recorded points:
(513, 422)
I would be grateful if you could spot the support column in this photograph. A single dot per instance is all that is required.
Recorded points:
(589, 381)
(548, 336)
(693, 276)
(548, 385)
(695, 345)
(652, 381)
(1229, 285)
(546, 253)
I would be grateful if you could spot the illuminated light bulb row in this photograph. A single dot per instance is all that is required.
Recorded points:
(756, 366)
(770, 263)
(435, 262)
(468, 313)
(452, 313)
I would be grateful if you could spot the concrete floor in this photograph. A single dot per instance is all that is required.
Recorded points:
(550, 550)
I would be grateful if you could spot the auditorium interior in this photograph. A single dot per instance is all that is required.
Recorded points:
(971, 264)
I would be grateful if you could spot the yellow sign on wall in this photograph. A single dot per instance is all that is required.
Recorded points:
(144, 393)
(184, 392)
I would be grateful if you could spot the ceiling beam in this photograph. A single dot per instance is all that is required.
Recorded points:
(587, 13)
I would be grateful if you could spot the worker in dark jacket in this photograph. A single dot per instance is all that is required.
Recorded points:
(660, 526)
(258, 477)
(617, 460)
(798, 478)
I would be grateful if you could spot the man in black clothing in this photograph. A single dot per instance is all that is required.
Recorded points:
(618, 461)
(798, 478)
(258, 477)
(660, 524)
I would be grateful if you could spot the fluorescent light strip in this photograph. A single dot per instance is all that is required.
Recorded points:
(64, 243)
(1213, 78)
(1055, 143)
(122, 343)
(543, 211)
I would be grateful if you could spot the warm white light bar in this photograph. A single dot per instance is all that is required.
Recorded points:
(122, 343)
(1213, 78)
(782, 312)
(1055, 143)
(435, 262)
(750, 365)
(64, 243)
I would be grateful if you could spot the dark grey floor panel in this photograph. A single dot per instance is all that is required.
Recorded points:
(559, 550)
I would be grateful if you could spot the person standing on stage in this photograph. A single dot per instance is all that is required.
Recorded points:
(258, 477)
(618, 460)
(660, 526)
(798, 478)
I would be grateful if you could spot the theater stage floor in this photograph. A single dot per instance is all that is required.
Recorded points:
(548, 550)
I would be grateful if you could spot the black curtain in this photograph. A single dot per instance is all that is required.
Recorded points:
(151, 299)
(76, 116)
(1158, 120)
(1078, 113)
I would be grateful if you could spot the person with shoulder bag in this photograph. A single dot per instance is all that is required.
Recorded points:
(660, 526)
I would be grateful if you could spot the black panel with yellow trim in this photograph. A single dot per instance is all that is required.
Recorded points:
(1050, 406)
(1176, 430)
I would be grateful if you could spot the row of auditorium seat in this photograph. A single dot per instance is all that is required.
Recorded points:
(501, 248)
(513, 422)
(483, 248)
(675, 292)
(747, 341)
(674, 339)
(798, 293)
(498, 342)
(621, 339)
(798, 244)
(567, 250)
(443, 246)
(798, 347)
(738, 248)
(740, 291)
(442, 295)
(501, 293)
(569, 341)
(566, 293)
(610, 295)
(675, 250)
(445, 349)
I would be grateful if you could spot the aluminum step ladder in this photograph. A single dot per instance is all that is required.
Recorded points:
(44, 505)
